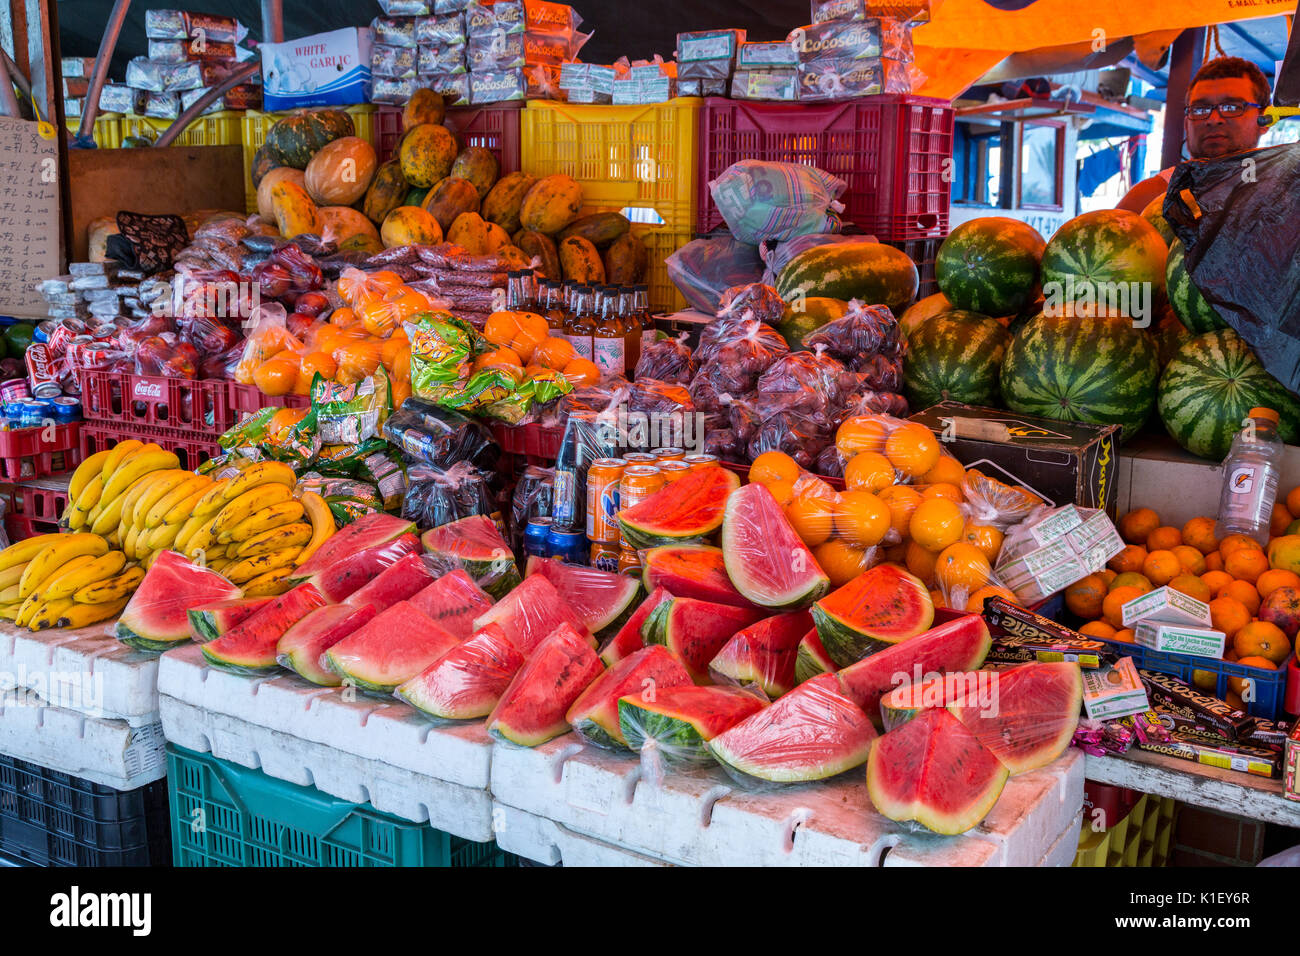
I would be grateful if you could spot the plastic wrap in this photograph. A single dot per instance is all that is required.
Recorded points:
(667, 360)
(752, 301)
(763, 201)
(479, 549)
(351, 414)
(446, 30)
(1052, 548)
(995, 503)
(436, 497)
(533, 497)
(671, 727)
(739, 360)
(467, 681)
(706, 268)
(438, 437)
(651, 397)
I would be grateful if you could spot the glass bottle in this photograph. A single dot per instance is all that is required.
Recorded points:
(609, 341)
(579, 324)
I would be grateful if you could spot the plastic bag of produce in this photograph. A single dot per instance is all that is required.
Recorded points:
(753, 301)
(667, 360)
(437, 497)
(649, 396)
(776, 256)
(373, 461)
(863, 333)
(867, 401)
(811, 384)
(347, 498)
(764, 200)
(441, 349)
(436, 436)
(351, 414)
(737, 361)
(706, 268)
(995, 503)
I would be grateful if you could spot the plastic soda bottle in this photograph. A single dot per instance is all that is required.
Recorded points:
(1250, 476)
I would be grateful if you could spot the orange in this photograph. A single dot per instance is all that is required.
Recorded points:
(948, 471)
(497, 357)
(342, 316)
(936, 523)
(1135, 526)
(812, 518)
(1243, 687)
(1216, 581)
(1271, 580)
(1293, 501)
(1161, 567)
(937, 599)
(312, 363)
(841, 561)
(921, 562)
(1164, 538)
(1261, 639)
(962, 566)
(1107, 575)
(943, 490)
(809, 484)
(976, 603)
(501, 328)
(1205, 680)
(1280, 520)
(782, 491)
(1085, 597)
(1131, 579)
(1199, 534)
(581, 371)
(1097, 629)
(533, 331)
(1284, 552)
(1229, 654)
(277, 427)
(1125, 634)
(774, 466)
(1228, 615)
(913, 449)
(985, 537)
(393, 345)
(1130, 559)
(400, 369)
(278, 375)
(868, 471)
(1246, 564)
(901, 500)
(1233, 542)
(1192, 586)
(863, 433)
(861, 518)
(401, 392)
(356, 361)
(554, 353)
(1112, 608)
(1191, 560)
(1214, 561)
(1246, 593)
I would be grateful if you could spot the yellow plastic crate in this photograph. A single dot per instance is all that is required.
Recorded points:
(222, 128)
(108, 129)
(1142, 838)
(256, 124)
(624, 157)
(662, 242)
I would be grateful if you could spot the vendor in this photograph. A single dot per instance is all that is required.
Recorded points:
(1225, 114)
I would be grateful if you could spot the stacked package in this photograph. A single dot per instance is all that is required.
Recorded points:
(766, 71)
(645, 83)
(76, 83)
(398, 54)
(846, 52)
(706, 61)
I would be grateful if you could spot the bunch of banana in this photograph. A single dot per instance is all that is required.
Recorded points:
(64, 580)
(103, 483)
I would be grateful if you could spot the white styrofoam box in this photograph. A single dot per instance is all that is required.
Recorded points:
(388, 731)
(87, 670)
(1063, 852)
(107, 752)
(545, 841)
(465, 812)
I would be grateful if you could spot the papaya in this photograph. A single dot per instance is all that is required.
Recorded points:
(416, 197)
(386, 192)
(581, 261)
(362, 243)
(410, 226)
(626, 261)
(551, 204)
(341, 223)
(480, 167)
(513, 258)
(279, 174)
(600, 229)
(263, 163)
(424, 106)
(340, 173)
(295, 213)
(537, 246)
(502, 203)
(427, 154)
(497, 238)
(449, 199)
(470, 232)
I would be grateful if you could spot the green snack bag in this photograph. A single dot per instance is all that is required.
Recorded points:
(248, 432)
(441, 348)
(350, 414)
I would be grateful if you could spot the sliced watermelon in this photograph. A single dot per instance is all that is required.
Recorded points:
(156, 617)
(532, 709)
(250, 647)
(933, 770)
(695, 631)
(351, 572)
(678, 722)
(880, 607)
(400, 581)
(811, 733)
(903, 703)
(210, 620)
(594, 715)
(691, 571)
(366, 532)
(475, 544)
(764, 653)
(390, 650)
(685, 512)
(603, 600)
(301, 647)
(467, 681)
(453, 602)
(529, 614)
(766, 560)
(812, 659)
(1029, 717)
(629, 639)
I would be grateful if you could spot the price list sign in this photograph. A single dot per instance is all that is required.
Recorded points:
(29, 215)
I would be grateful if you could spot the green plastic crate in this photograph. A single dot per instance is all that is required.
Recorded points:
(251, 819)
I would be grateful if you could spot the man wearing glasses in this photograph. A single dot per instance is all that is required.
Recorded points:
(1224, 115)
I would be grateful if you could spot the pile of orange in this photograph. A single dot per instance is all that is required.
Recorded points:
(524, 339)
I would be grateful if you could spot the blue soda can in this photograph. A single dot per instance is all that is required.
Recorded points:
(570, 547)
(66, 409)
(537, 537)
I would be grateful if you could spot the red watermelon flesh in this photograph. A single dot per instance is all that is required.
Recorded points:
(903, 703)
(934, 771)
(594, 715)
(366, 532)
(629, 640)
(475, 544)
(301, 647)
(957, 645)
(389, 650)
(453, 602)
(250, 647)
(879, 608)
(764, 653)
(467, 681)
(766, 560)
(811, 733)
(691, 571)
(532, 709)
(812, 659)
(690, 509)
(603, 600)
(530, 613)
(400, 581)
(156, 617)
(352, 572)
(1028, 717)
(674, 725)
(695, 631)
(210, 620)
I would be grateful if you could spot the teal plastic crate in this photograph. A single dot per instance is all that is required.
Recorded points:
(227, 815)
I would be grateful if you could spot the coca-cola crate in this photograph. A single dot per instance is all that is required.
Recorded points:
(37, 452)
(892, 150)
(199, 406)
(191, 450)
(495, 128)
(539, 444)
(246, 400)
(32, 509)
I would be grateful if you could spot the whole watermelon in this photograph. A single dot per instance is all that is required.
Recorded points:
(1099, 370)
(1195, 311)
(955, 356)
(816, 312)
(924, 309)
(1170, 335)
(1092, 255)
(1208, 388)
(871, 272)
(990, 265)
(1154, 213)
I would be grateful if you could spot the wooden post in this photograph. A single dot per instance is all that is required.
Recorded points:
(1184, 61)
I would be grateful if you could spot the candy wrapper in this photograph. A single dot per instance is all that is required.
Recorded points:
(350, 414)
(441, 349)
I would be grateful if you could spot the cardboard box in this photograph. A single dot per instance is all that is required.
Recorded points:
(1114, 691)
(1291, 765)
(326, 69)
(1166, 606)
(1181, 639)
(1062, 462)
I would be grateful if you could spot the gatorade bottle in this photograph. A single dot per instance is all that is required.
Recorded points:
(1250, 476)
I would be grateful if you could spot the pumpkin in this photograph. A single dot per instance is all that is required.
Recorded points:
(263, 163)
(294, 140)
(340, 173)
(280, 174)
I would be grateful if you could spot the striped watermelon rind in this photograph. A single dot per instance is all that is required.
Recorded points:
(1208, 388)
(990, 265)
(1154, 213)
(1101, 370)
(1106, 246)
(1191, 307)
(871, 272)
(956, 356)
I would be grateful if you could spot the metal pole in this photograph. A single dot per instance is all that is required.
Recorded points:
(8, 100)
(102, 59)
(272, 21)
(1184, 61)
(243, 72)
(16, 73)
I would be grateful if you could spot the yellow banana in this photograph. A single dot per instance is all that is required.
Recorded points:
(118, 454)
(112, 590)
(188, 530)
(136, 466)
(220, 564)
(249, 568)
(9, 611)
(214, 500)
(322, 524)
(149, 559)
(85, 471)
(276, 539)
(99, 569)
(27, 609)
(25, 550)
(129, 542)
(110, 515)
(76, 564)
(183, 509)
(263, 473)
(11, 576)
(248, 504)
(56, 555)
(270, 583)
(162, 537)
(163, 484)
(79, 512)
(10, 595)
(114, 540)
(191, 487)
(276, 516)
(132, 495)
(202, 541)
(83, 615)
(48, 613)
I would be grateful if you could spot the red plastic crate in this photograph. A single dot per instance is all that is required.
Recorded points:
(192, 451)
(538, 443)
(893, 150)
(37, 452)
(245, 400)
(495, 128)
(199, 406)
(923, 252)
(31, 510)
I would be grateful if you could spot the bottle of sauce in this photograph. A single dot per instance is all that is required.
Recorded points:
(609, 340)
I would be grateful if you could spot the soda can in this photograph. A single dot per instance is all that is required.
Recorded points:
(603, 479)
(105, 332)
(59, 339)
(15, 390)
(40, 375)
(639, 483)
(702, 461)
(629, 562)
(668, 454)
(66, 409)
(604, 556)
(672, 470)
(33, 414)
(570, 547)
(641, 458)
(537, 538)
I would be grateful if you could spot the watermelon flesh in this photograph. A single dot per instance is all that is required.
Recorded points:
(530, 613)
(629, 638)
(812, 659)
(691, 571)
(688, 510)
(603, 600)
(366, 532)
(301, 647)
(811, 733)
(764, 653)
(934, 771)
(903, 703)
(532, 709)
(389, 650)
(880, 607)
(1030, 715)
(400, 581)
(209, 621)
(352, 572)
(467, 681)
(673, 728)
(695, 631)
(251, 647)
(157, 617)
(475, 544)
(766, 560)
(453, 602)
(594, 715)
